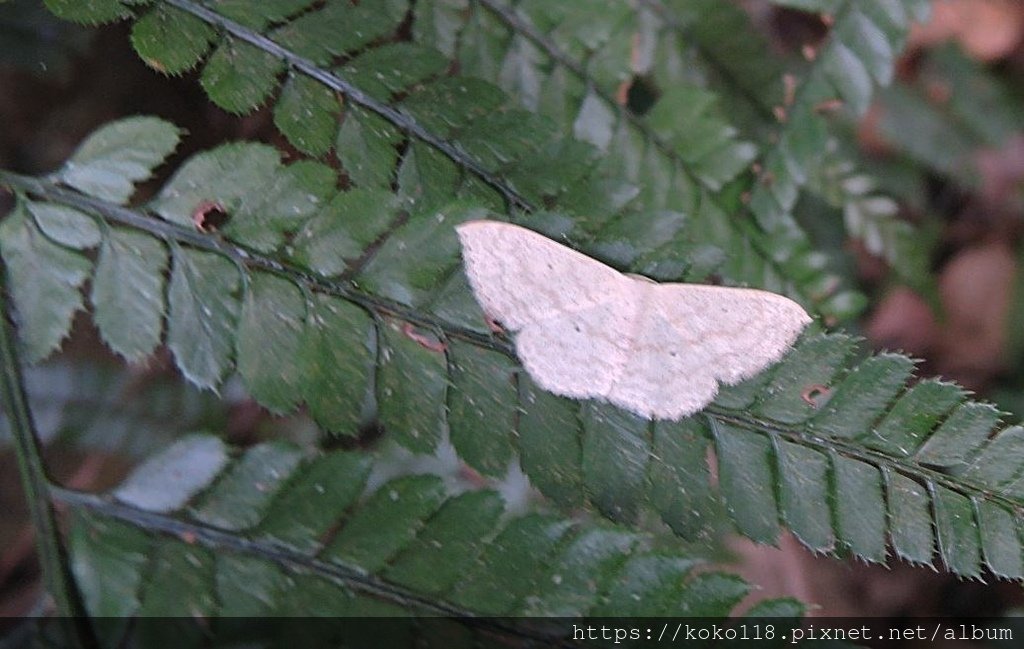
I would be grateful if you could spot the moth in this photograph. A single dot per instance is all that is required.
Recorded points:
(586, 331)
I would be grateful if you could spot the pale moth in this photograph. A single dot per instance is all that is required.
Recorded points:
(586, 331)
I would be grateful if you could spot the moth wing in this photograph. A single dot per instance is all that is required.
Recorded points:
(519, 276)
(689, 338)
(581, 353)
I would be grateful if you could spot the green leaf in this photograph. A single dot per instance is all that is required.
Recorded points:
(779, 608)
(107, 561)
(170, 40)
(911, 526)
(325, 487)
(329, 31)
(336, 359)
(203, 309)
(294, 193)
(483, 397)
(861, 522)
(873, 218)
(270, 333)
(649, 585)
(239, 77)
(116, 157)
(680, 483)
(550, 443)
(167, 481)
(871, 40)
(451, 105)
(178, 587)
(394, 273)
(507, 570)
(863, 396)
(595, 122)
(343, 229)
(957, 438)
(686, 117)
(914, 416)
(810, 365)
(425, 178)
(226, 175)
(89, 12)
(393, 68)
(128, 292)
(803, 494)
(744, 465)
(999, 536)
(848, 74)
(438, 22)
(45, 280)
(480, 45)
(244, 493)
(366, 146)
(959, 544)
(388, 521)
(818, 6)
(999, 461)
(486, 138)
(411, 386)
(261, 198)
(449, 543)
(65, 225)
(575, 578)
(712, 592)
(266, 13)
(248, 586)
(307, 113)
(616, 446)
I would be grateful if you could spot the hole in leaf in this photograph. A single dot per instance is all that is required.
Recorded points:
(209, 216)
(813, 395)
(795, 29)
(642, 95)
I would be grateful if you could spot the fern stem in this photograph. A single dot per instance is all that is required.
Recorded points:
(31, 469)
(334, 81)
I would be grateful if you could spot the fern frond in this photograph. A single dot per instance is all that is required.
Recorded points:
(873, 218)
(859, 52)
(246, 55)
(354, 337)
(396, 333)
(727, 53)
(683, 154)
(321, 537)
